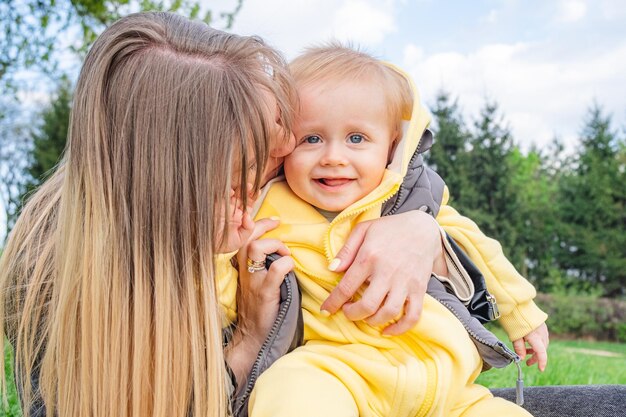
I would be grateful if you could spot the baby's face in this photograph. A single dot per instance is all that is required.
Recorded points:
(343, 139)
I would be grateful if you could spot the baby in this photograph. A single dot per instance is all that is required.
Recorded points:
(359, 127)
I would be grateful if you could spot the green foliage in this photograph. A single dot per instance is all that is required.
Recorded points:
(12, 409)
(31, 28)
(570, 362)
(582, 316)
(14, 144)
(449, 156)
(591, 200)
(50, 137)
(561, 220)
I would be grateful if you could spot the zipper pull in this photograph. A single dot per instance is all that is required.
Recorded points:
(519, 385)
(494, 306)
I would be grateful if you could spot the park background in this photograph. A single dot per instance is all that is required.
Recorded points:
(528, 107)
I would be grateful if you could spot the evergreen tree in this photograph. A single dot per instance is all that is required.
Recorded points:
(491, 198)
(592, 197)
(49, 140)
(536, 217)
(448, 155)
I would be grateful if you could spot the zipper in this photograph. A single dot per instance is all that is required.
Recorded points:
(396, 205)
(394, 189)
(254, 373)
(460, 273)
(499, 347)
(494, 306)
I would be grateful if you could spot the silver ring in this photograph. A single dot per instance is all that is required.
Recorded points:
(255, 266)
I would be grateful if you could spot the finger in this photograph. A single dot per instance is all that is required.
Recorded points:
(263, 226)
(520, 347)
(412, 312)
(540, 354)
(259, 249)
(277, 271)
(370, 302)
(391, 309)
(347, 254)
(247, 223)
(346, 288)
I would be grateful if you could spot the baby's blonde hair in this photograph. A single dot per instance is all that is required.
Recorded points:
(335, 62)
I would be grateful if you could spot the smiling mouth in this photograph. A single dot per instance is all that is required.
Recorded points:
(333, 182)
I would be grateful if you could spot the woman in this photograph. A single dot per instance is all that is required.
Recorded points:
(108, 281)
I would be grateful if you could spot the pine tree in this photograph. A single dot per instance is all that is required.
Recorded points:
(48, 142)
(448, 155)
(492, 199)
(536, 218)
(592, 195)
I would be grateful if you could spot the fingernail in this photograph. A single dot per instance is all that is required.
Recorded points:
(276, 218)
(334, 264)
(325, 313)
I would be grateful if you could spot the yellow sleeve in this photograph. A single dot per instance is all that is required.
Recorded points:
(226, 278)
(514, 294)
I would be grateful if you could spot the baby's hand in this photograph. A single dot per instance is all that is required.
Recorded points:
(538, 340)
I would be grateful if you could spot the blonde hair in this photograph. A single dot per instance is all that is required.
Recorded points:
(336, 63)
(107, 287)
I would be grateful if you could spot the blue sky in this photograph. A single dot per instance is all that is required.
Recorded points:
(544, 62)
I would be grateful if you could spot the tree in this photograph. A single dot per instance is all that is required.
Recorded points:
(592, 199)
(491, 199)
(14, 146)
(536, 218)
(50, 137)
(448, 155)
(32, 28)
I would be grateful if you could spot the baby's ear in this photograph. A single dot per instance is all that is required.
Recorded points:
(393, 145)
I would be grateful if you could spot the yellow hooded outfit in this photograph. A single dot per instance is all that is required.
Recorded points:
(348, 368)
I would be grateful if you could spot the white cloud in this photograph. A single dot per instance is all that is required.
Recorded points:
(492, 16)
(613, 9)
(291, 26)
(358, 19)
(540, 97)
(571, 10)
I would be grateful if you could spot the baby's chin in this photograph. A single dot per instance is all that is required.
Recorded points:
(333, 208)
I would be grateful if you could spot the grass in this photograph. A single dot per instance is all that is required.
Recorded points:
(573, 362)
(13, 409)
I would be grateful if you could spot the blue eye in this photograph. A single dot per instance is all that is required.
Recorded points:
(313, 139)
(355, 138)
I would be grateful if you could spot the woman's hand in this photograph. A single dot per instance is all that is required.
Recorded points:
(396, 256)
(538, 341)
(258, 297)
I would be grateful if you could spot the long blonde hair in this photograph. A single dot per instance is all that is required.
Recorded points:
(107, 288)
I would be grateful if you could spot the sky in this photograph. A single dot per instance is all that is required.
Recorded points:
(544, 62)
